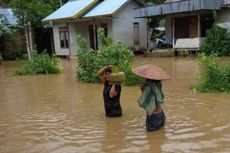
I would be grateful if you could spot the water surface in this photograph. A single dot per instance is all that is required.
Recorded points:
(57, 114)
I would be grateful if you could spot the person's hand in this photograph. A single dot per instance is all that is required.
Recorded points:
(142, 87)
(109, 66)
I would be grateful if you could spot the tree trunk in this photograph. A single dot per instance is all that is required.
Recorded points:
(30, 39)
(27, 41)
(26, 31)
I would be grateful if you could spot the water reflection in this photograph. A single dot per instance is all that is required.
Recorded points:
(56, 114)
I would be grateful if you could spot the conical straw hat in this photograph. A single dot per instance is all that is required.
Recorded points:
(151, 71)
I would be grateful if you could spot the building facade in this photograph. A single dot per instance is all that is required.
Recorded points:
(115, 17)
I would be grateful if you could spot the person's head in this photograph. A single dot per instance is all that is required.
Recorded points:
(107, 72)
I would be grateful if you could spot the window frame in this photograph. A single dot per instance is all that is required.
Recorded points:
(65, 32)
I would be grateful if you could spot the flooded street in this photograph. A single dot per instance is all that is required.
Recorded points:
(58, 114)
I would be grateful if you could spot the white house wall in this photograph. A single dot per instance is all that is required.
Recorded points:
(73, 35)
(82, 29)
(58, 49)
(122, 26)
(72, 45)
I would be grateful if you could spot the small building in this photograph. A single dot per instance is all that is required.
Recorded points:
(86, 16)
(186, 21)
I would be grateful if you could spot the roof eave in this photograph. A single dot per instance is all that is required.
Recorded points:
(177, 7)
(86, 9)
(98, 16)
(77, 15)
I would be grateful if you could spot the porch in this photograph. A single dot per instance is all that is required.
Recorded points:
(186, 22)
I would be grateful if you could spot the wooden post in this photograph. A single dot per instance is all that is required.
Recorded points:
(67, 26)
(94, 35)
(173, 32)
(148, 38)
(198, 23)
(199, 35)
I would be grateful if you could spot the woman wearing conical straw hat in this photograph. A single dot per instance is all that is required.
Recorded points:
(152, 95)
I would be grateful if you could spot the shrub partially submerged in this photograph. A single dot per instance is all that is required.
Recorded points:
(40, 64)
(109, 52)
(215, 77)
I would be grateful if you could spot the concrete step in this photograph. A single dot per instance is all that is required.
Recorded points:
(160, 52)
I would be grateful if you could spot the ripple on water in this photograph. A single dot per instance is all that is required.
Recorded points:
(57, 114)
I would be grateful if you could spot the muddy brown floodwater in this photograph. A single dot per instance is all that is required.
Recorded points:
(57, 114)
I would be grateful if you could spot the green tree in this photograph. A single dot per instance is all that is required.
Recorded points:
(3, 3)
(30, 14)
(217, 42)
(5, 29)
(35, 10)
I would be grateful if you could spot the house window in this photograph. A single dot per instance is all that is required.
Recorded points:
(64, 37)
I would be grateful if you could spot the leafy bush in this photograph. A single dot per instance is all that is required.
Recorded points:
(90, 61)
(215, 78)
(217, 42)
(13, 55)
(40, 64)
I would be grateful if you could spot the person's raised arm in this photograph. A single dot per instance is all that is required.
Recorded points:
(101, 73)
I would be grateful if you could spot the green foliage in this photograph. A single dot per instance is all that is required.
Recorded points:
(215, 78)
(40, 64)
(5, 28)
(217, 42)
(104, 41)
(16, 54)
(90, 62)
(130, 78)
(34, 10)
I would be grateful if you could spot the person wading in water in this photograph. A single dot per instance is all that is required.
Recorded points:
(152, 95)
(111, 93)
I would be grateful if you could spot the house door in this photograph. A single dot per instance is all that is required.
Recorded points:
(136, 36)
(93, 37)
(193, 27)
(181, 27)
(186, 27)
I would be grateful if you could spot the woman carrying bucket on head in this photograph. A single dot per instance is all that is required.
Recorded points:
(152, 95)
(112, 90)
